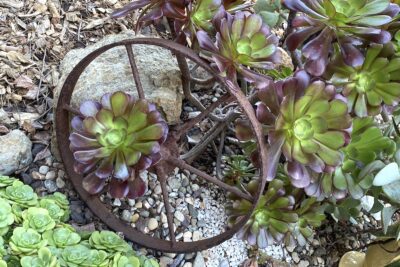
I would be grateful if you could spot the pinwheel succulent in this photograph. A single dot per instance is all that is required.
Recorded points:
(270, 220)
(20, 194)
(349, 23)
(80, 255)
(38, 219)
(26, 241)
(309, 120)
(117, 138)
(109, 241)
(6, 181)
(57, 213)
(6, 216)
(243, 41)
(370, 85)
(62, 237)
(43, 259)
(124, 261)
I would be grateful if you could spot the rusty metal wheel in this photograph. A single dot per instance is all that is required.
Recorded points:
(171, 157)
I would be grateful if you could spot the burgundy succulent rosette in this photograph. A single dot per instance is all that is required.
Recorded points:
(114, 140)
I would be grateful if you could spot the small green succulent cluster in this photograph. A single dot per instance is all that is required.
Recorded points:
(276, 217)
(33, 233)
(238, 168)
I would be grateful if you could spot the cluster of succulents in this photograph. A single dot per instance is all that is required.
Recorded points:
(325, 150)
(38, 236)
(114, 140)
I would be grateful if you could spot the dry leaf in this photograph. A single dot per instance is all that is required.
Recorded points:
(17, 56)
(95, 23)
(24, 81)
(12, 3)
(42, 154)
(32, 94)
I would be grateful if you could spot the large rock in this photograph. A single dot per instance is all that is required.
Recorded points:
(110, 72)
(15, 152)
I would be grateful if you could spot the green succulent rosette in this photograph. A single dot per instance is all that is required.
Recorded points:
(243, 40)
(43, 259)
(3, 263)
(62, 237)
(97, 258)
(369, 86)
(120, 260)
(308, 121)
(238, 168)
(115, 139)
(74, 256)
(367, 144)
(271, 218)
(56, 212)
(6, 216)
(311, 215)
(26, 241)
(350, 24)
(6, 181)
(20, 194)
(362, 159)
(109, 241)
(38, 219)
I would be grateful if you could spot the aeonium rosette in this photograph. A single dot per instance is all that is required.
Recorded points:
(242, 41)
(351, 24)
(117, 138)
(305, 120)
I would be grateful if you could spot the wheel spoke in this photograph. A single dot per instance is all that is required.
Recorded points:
(183, 165)
(71, 109)
(135, 71)
(209, 136)
(191, 123)
(162, 177)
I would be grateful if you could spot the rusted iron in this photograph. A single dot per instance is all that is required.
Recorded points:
(169, 150)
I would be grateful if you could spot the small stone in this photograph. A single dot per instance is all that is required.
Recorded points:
(50, 175)
(152, 224)
(44, 169)
(164, 218)
(303, 263)
(15, 152)
(165, 261)
(50, 186)
(295, 257)
(157, 190)
(195, 187)
(187, 236)
(144, 213)
(179, 216)
(196, 236)
(60, 182)
(174, 183)
(37, 176)
(135, 217)
(193, 114)
(185, 181)
(117, 202)
(224, 263)
(126, 215)
(170, 255)
(139, 205)
(131, 202)
(187, 264)
(199, 261)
